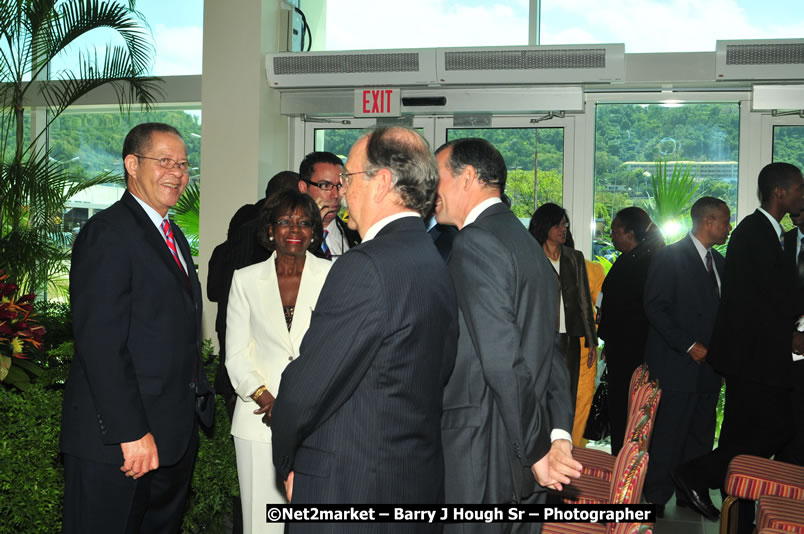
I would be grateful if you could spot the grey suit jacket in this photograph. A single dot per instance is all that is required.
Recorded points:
(681, 303)
(510, 385)
(358, 413)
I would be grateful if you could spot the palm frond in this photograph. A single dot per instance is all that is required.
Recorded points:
(186, 212)
(671, 194)
(114, 70)
(75, 18)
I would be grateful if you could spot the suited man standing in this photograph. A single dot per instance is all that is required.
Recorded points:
(752, 341)
(794, 249)
(357, 418)
(319, 177)
(682, 296)
(509, 395)
(129, 432)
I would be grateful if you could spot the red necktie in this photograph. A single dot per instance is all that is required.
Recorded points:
(166, 228)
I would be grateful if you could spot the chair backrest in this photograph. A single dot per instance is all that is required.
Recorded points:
(632, 528)
(642, 432)
(639, 378)
(624, 460)
(652, 401)
(627, 488)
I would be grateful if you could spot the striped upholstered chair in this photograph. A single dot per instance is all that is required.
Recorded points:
(751, 477)
(780, 513)
(625, 488)
(644, 403)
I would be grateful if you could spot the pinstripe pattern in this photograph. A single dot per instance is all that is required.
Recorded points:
(358, 413)
(781, 513)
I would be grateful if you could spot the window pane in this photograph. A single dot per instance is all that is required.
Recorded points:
(176, 30)
(667, 25)
(336, 140)
(526, 150)
(788, 146)
(88, 144)
(357, 24)
(630, 139)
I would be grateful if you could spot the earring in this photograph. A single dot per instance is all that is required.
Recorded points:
(271, 238)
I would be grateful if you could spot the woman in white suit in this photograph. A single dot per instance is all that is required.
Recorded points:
(270, 304)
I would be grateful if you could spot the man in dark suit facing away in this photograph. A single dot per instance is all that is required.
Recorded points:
(507, 407)
(682, 296)
(129, 433)
(752, 341)
(357, 417)
(794, 249)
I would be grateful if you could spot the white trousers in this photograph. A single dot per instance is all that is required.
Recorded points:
(259, 485)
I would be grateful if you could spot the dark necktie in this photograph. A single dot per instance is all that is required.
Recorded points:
(324, 246)
(801, 263)
(711, 269)
(171, 243)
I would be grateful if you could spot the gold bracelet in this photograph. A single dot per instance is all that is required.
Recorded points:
(256, 394)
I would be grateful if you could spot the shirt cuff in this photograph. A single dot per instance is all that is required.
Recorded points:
(558, 433)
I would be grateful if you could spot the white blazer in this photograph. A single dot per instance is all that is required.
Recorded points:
(258, 344)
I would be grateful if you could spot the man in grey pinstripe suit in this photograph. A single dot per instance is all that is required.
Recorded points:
(357, 417)
(507, 406)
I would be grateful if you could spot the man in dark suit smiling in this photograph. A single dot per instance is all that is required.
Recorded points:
(357, 417)
(507, 407)
(129, 431)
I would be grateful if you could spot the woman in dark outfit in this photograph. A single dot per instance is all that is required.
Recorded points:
(623, 324)
(550, 226)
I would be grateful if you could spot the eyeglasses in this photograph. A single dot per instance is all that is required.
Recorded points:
(564, 224)
(345, 176)
(287, 223)
(324, 186)
(168, 163)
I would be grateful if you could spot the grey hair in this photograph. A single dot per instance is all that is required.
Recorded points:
(406, 154)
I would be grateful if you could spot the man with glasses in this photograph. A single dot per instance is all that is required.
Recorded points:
(319, 177)
(358, 414)
(129, 430)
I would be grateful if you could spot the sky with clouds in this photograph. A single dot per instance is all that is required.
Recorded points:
(643, 25)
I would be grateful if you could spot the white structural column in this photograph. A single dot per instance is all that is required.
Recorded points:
(244, 140)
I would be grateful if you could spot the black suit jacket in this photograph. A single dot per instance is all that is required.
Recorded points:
(623, 323)
(443, 235)
(754, 327)
(357, 417)
(510, 386)
(790, 247)
(137, 326)
(681, 303)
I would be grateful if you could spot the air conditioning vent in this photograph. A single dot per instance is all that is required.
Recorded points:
(532, 64)
(587, 58)
(351, 69)
(781, 59)
(346, 64)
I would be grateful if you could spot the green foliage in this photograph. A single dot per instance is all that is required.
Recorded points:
(186, 214)
(721, 404)
(34, 186)
(673, 192)
(31, 476)
(215, 477)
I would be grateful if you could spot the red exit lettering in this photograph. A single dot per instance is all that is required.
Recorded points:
(378, 99)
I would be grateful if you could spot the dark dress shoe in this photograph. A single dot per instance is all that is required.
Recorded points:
(698, 497)
(682, 501)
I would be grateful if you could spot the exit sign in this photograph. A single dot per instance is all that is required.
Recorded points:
(379, 102)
